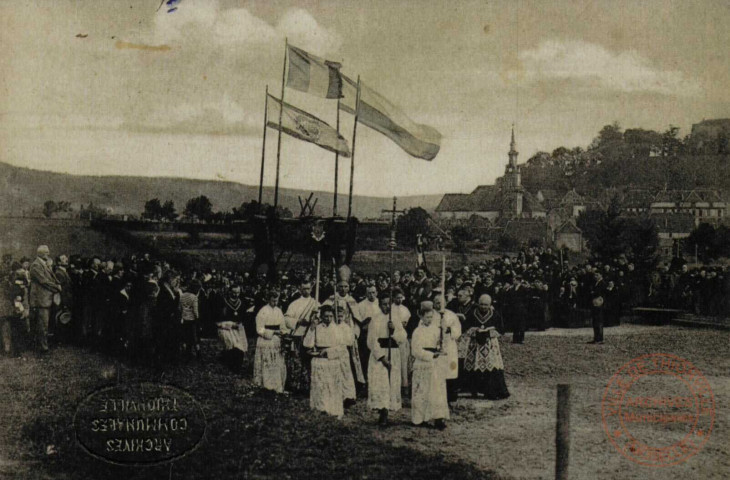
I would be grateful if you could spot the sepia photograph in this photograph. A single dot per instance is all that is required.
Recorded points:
(367, 239)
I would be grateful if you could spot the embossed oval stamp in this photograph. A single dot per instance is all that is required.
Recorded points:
(139, 424)
(658, 410)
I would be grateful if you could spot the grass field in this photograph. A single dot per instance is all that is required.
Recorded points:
(21, 236)
(252, 434)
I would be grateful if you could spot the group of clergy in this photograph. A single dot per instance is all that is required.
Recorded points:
(330, 348)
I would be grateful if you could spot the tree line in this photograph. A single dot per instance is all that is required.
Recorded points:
(635, 156)
(201, 209)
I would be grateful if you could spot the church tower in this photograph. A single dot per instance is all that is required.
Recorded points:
(512, 183)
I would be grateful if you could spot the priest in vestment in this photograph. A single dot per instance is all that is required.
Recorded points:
(483, 366)
(428, 396)
(269, 369)
(298, 321)
(323, 341)
(346, 310)
(384, 367)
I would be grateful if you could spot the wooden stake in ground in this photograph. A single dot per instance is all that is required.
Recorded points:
(562, 433)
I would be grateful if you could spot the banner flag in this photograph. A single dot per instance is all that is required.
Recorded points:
(420, 141)
(311, 74)
(305, 126)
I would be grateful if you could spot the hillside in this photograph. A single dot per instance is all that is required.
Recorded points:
(23, 190)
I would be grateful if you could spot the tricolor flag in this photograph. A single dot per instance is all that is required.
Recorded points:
(311, 74)
(420, 141)
(305, 126)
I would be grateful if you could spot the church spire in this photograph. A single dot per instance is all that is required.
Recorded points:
(513, 149)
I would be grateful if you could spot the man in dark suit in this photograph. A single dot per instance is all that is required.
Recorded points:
(168, 317)
(43, 285)
(597, 298)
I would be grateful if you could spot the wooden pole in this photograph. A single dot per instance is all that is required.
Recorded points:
(562, 433)
(443, 299)
(263, 147)
(316, 285)
(281, 112)
(316, 295)
(392, 266)
(352, 155)
(337, 162)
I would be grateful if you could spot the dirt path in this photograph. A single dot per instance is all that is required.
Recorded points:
(515, 437)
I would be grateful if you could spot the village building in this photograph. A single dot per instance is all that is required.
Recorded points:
(506, 199)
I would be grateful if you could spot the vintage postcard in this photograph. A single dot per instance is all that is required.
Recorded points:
(412, 239)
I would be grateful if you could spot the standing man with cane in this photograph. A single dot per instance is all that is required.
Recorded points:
(43, 285)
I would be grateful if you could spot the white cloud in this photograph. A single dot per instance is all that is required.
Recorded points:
(224, 116)
(204, 22)
(625, 71)
(303, 30)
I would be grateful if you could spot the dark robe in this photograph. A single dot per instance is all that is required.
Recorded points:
(483, 366)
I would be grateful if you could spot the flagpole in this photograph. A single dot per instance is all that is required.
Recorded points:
(337, 161)
(352, 155)
(263, 147)
(443, 300)
(281, 112)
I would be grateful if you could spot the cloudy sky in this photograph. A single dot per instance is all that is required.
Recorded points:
(120, 87)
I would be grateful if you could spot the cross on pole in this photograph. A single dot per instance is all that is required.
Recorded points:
(392, 246)
(393, 212)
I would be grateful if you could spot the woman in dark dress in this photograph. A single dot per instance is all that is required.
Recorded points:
(483, 366)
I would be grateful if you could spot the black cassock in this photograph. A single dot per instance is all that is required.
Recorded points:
(483, 366)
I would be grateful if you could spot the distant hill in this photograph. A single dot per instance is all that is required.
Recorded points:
(23, 190)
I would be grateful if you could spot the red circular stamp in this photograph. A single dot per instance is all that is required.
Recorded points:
(658, 410)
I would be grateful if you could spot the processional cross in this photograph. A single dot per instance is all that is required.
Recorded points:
(392, 245)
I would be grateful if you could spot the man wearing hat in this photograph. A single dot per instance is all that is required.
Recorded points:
(43, 285)
(597, 296)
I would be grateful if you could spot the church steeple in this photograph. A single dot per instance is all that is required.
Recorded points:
(512, 183)
(513, 149)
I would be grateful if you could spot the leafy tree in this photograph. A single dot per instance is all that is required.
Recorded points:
(413, 222)
(711, 242)
(643, 142)
(91, 211)
(152, 209)
(602, 230)
(507, 243)
(671, 143)
(246, 210)
(49, 208)
(460, 235)
(640, 238)
(723, 144)
(608, 136)
(199, 207)
(168, 212)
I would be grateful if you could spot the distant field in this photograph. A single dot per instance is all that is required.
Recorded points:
(21, 236)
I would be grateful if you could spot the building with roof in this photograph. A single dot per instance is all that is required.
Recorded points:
(702, 204)
(506, 199)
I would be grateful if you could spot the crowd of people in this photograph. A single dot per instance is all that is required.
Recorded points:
(338, 335)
